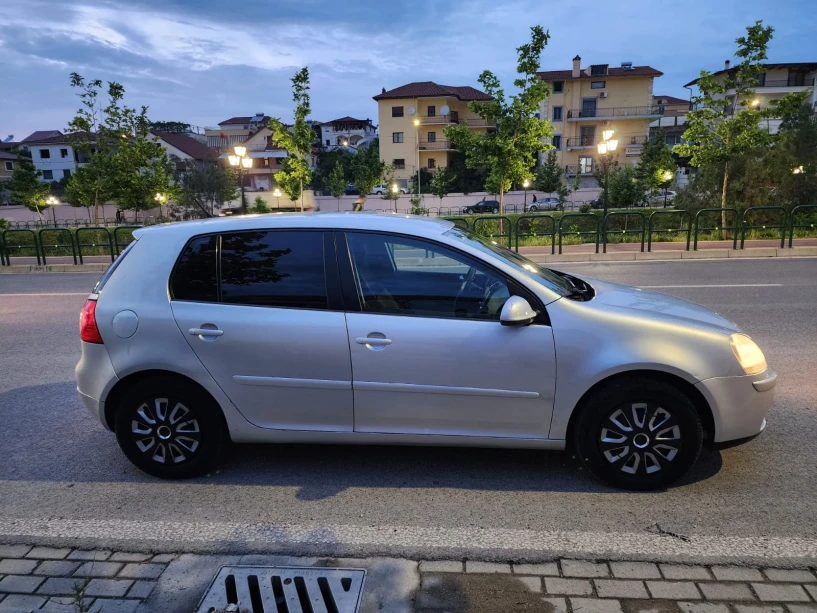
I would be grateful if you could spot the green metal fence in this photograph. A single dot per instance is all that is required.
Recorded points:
(20, 246)
(595, 233)
(503, 229)
(120, 231)
(782, 227)
(100, 239)
(802, 208)
(63, 234)
(652, 230)
(734, 229)
(528, 226)
(605, 231)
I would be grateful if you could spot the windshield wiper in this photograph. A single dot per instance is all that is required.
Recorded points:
(578, 292)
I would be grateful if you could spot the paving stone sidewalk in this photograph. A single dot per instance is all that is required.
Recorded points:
(45, 579)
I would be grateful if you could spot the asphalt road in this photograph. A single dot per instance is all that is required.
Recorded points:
(63, 479)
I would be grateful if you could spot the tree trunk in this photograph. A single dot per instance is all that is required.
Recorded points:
(96, 207)
(723, 194)
(302, 195)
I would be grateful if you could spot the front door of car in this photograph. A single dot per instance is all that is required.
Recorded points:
(429, 355)
(269, 328)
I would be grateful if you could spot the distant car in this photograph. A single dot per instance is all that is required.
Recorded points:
(659, 197)
(381, 189)
(484, 206)
(545, 204)
(351, 190)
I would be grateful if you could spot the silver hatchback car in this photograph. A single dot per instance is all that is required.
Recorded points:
(357, 328)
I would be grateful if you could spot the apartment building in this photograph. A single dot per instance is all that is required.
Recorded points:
(777, 81)
(54, 154)
(587, 104)
(234, 131)
(411, 121)
(346, 131)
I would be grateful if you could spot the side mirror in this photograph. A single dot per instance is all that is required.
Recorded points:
(516, 312)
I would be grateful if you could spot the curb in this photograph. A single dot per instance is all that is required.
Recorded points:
(704, 254)
(27, 269)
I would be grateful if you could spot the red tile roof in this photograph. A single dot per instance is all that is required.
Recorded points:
(190, 146)
(429, 89)
(240, 120)
(670, 99)
(7, 156)
(59, 138)
(39, 135)
(346, 119)
(567, 75)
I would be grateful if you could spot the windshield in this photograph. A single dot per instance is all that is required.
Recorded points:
(546, 277)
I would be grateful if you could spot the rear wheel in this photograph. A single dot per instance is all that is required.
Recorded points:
(638, 434)
(169, 428)
(494, 211)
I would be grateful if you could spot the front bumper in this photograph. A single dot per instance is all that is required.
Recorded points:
(739, 404)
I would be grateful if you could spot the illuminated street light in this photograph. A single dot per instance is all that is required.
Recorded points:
(277, 194)
(240, 162)
(606, 147)
(345, 143)
(756, 102)
(525, 184)
(52, 201)
(417, 142)
(240, 151)
(798, 170)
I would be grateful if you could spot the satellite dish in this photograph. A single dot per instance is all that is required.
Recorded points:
(412, 110)
(444, 109)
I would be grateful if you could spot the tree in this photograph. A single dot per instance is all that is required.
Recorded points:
(204, 187)
(337, 182)
(719, 130)
(25, 186)
(792, 162)
(655, 164)
(393, 191)
(326, 167)
(509, 151)
(367, 169)
(442, 182)
(426, 177)
(297, 140)
(549, 177)
(625, 189)
(466, 180)
(259, 205)
(601, 172)
(176, 127)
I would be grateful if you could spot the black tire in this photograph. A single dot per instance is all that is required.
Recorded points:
(607, 413)
(494, 211)
(532, 209)
(194, 437)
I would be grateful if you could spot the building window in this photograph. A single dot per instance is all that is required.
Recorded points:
(45, 154)
(432, 163)
(327, 142)
(397, 111)
(9, 165)
(399, 163)
(558, 87)
(66, 173)
(48, 175)
(556, 141)
(585, 165)
(587, 136)
(397, 137)
(432, 137)
(557, 113)
(432, 111)
(597, 84)
(598, 70)
(63, 153)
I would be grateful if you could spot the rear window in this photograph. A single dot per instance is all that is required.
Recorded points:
(195, 277)
(112, 268)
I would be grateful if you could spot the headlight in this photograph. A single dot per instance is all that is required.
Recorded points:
(749, 355)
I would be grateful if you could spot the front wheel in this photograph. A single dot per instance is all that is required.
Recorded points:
(169, 428)
(532, 209)
(494, 211)
(638, 434)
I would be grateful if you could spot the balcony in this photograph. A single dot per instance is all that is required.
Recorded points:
(439, 120)
(480, 123)
(790, 82)
(621, 112)
(572, 169)
(581, 142)
(436, 145)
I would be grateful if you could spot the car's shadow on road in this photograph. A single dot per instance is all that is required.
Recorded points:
(48, 436)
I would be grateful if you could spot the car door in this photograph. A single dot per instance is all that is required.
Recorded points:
(429, 355)
(271, 331)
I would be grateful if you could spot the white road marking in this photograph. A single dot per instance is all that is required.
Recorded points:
(383, 537)
(49, 294)
(727, 285)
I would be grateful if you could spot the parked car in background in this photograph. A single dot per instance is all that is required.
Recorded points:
(666, 195)
(385, 189)
(545, 204)
(483, 206)
(340, 304)
(351, 190)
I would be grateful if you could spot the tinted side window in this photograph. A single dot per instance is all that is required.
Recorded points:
(194, 277)
(276, 269)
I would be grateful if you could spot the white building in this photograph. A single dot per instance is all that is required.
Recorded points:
(346, 131)
(53, 154)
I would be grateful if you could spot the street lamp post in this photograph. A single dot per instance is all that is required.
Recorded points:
(53, 201)
(667, 177)
(396, 190)
(606, 148)
(161, 199)
(277, 194)
(241, 163)
(417, 141)
(525, 184)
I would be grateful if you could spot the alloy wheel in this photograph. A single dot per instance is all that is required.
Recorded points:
(166, 430)
(641, 438)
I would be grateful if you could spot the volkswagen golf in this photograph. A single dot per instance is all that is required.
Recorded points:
(365, 328)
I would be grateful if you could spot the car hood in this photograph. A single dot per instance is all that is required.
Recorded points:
(644, 303)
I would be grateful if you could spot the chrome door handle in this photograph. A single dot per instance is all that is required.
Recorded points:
(374, 341)
(205, 332)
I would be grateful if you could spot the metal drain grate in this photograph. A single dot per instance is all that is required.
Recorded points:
(284, 589)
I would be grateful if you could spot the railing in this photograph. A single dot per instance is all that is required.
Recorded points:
(501, 229)
(782, 226)
(100, 239)
(784, 83)
(621, 111)
(579, 233)
(529, 226)
(480, 123)
(58, 234)
(680, 228)
(605, 227)
(435, 145)
(573, 169)
(429, 120)
(581, 141)
(734, 229)
(802, 208)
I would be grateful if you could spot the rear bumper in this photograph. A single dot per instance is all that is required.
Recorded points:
(739, 404)
(95, 378)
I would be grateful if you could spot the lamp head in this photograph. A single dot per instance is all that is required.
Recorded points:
(602, 148)
(246, 162)
(234, 160)
(240, 151)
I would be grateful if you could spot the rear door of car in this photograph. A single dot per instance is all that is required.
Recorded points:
(263, 311)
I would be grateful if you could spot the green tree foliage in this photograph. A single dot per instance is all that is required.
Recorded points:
(549, 177)
(426, 177)
(367, 169)
(326, 167)
(259, 205)
(296, 140)
(176, 127)
(467, 180)
(625, 188)
(25, 186)
(510, 151)
(203, 187)
(656, 161)
(393, 191)
(792, 162)
(602, 171)
(337, 181)
(442, 183)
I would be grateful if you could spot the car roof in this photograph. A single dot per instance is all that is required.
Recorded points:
(389, 222)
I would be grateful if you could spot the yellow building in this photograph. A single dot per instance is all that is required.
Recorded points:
(234, 131)
(776, 82)
(412, 119)
(584, 103)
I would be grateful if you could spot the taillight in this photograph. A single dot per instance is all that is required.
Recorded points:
(88, 331)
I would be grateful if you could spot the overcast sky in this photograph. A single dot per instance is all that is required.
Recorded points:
(203, 61)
